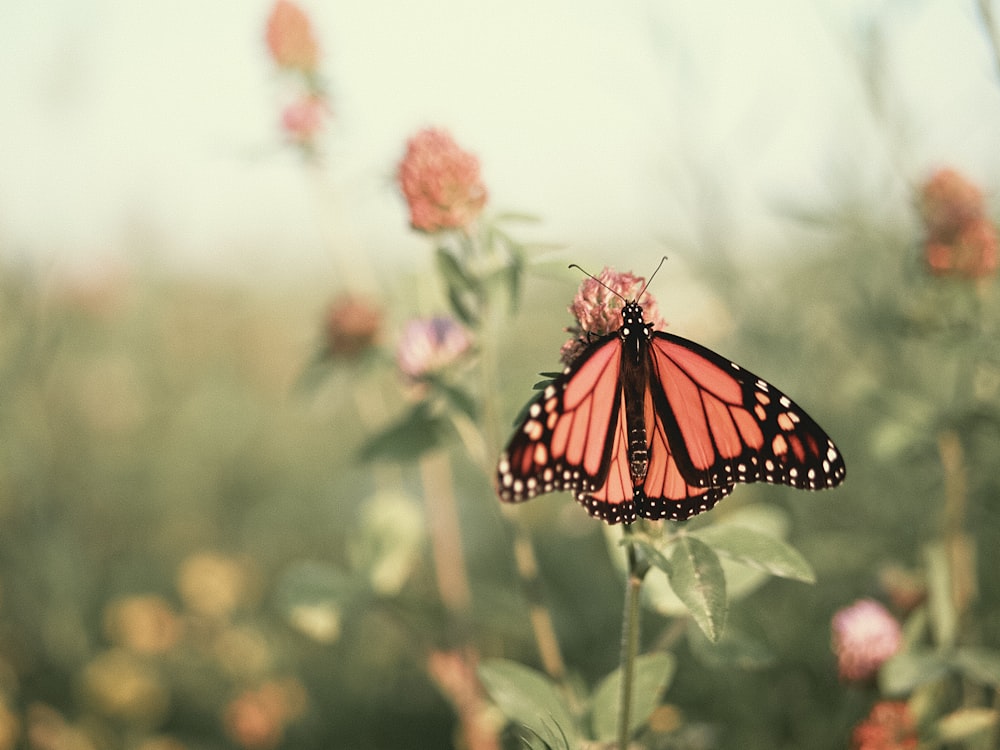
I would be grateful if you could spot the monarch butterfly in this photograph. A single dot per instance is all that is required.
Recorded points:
(646, 423)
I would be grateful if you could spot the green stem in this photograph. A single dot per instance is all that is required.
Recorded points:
(630, 636)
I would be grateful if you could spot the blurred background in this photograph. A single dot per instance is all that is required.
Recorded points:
(195, 216)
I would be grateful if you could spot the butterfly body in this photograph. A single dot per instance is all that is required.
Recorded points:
(645, 423)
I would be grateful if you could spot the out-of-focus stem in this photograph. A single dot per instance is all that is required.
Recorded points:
(630, 637)
(959, 546)
(992, 34)
(541, 621)
(446, 535)
(524, 552)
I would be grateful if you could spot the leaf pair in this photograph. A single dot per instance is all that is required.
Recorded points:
(693, 562)
(533, 701)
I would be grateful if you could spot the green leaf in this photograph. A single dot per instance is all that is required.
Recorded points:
(388, 540)
(455, 277)
(463, 307)
(464, 291)
(653, 673)
(964, 724)
(653, 555)
(698, 580)
(735, 649)
(454, 395)
(908, 670)
(757, 550)
(741, 581)
(415, 433)
(313, 597)
(531, 699)
(944, 618)
(979, 665)
(517, 216)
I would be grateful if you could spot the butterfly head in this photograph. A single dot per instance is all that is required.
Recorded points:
(633, 321)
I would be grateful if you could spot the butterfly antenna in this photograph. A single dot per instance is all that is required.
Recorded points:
(586, 273)
(650, 279)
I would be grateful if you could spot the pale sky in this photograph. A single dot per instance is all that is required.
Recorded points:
(625, 126)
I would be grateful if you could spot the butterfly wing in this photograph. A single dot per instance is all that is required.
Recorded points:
(574, 438)
(665, 492)
(724, 424)
(566, 439)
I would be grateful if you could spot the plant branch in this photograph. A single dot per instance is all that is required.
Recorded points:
(636, 572)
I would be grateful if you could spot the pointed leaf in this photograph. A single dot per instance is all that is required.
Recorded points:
(314, 598)
(517, 216)
(387, 541)
(964, 724)
(454, 395)
(697, 579)
(736, 648)
(944, 618)
(463, 306)
(908, 670)
(531, 699)
(653, 673)
(653, 555)
(757, 550)
(979, 665)
(452, 272)
(415, 433)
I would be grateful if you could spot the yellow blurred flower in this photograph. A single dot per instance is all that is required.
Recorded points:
(119, 684)
(48, 730)
(144, 624)
(243, 651)
(321, 621)
(213, 585)
(10, 728)
(161, 743)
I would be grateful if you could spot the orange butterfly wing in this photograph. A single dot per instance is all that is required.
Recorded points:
(565, 441)
(574, 438)
(724, 424)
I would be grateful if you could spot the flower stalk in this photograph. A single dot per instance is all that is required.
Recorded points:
(636, 570)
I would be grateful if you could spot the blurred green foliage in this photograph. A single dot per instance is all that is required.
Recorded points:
(192, 554)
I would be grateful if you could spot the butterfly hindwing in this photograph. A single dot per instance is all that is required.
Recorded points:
(665, 492)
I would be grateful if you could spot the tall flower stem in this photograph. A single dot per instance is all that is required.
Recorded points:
(636, 572)
(446, 534)
(525, 560)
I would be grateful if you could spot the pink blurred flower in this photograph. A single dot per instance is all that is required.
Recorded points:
(429, 345)
(290, 38)
(352, 326)
(972, 254)
(961, 241)
(948, 201)
(865, 635)
(257, 719)
(303, 119)
(598, 311)
(889, 726)
(441, 182)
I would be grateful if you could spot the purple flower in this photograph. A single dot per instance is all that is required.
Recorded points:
(428, 345)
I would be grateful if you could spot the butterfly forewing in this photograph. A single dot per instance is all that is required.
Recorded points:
(727, 425)
(565, 441)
